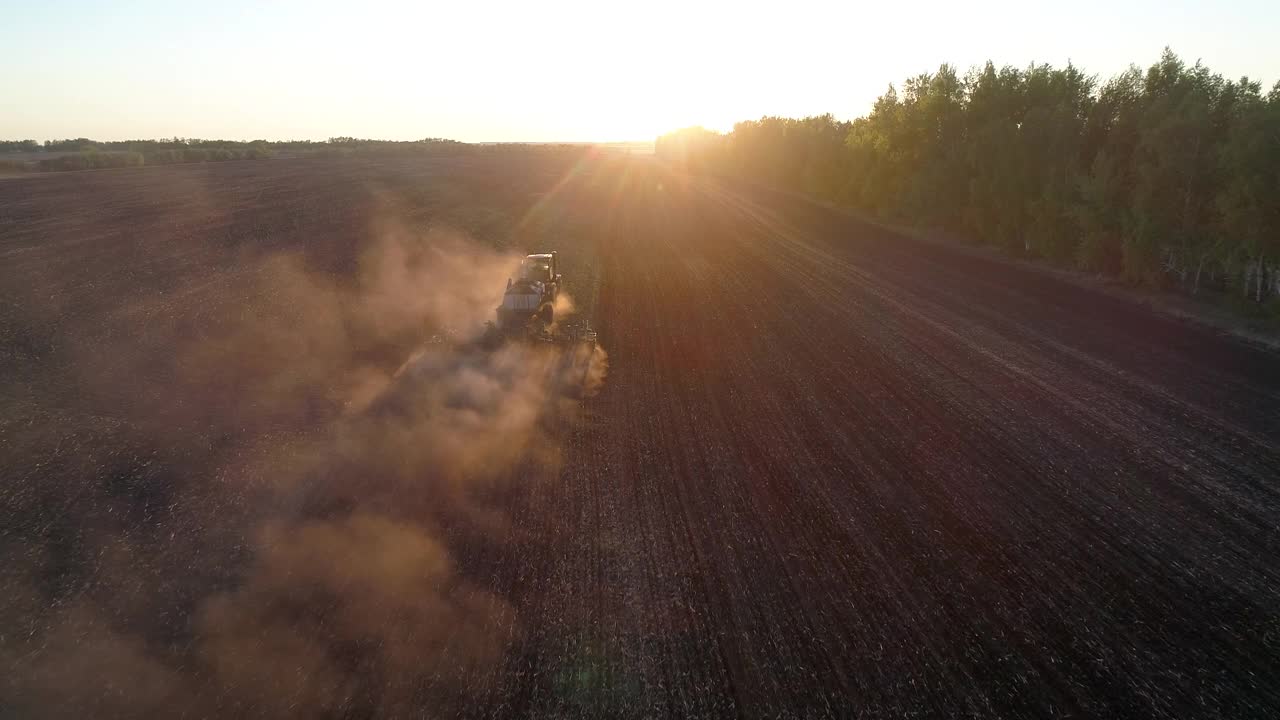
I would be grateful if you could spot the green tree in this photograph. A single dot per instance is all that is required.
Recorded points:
(1248, 200)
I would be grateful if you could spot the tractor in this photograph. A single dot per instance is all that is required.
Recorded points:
(528, 305)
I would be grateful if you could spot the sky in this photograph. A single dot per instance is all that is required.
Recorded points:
(551, 70)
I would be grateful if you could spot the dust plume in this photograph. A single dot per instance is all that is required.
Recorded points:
(261, 514)
(563, 305)
(362, 612)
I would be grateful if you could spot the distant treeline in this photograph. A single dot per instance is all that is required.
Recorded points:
(1168, 176)
(86, 154)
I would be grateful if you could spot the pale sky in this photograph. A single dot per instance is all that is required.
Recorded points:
(548, 70)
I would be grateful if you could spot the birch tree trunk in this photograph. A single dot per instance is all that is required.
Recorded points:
(1261, 274)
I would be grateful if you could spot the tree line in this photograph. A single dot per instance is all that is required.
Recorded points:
(86, 154)
(1168, 176)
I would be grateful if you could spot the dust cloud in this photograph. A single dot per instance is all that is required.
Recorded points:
(259, 513)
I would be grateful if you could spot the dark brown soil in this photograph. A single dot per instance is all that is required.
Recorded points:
(832, 472)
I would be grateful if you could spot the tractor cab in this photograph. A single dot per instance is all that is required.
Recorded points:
(540, 268)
